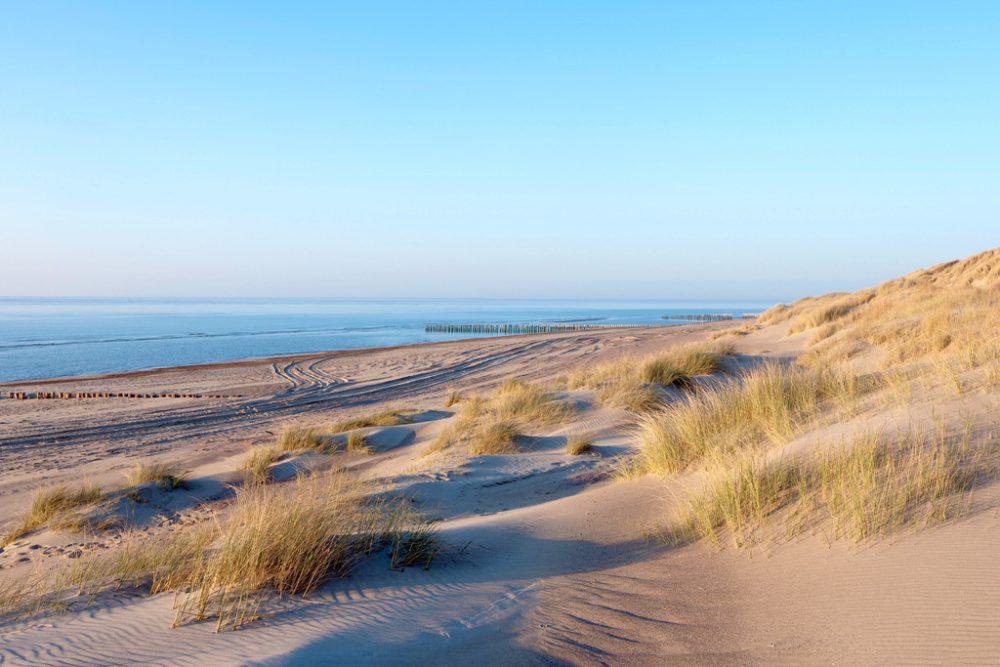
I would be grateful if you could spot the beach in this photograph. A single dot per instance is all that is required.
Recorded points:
(57, 337)
(547, 557)
(499, 334)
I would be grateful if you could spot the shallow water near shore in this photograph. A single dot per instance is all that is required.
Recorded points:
(54, 337)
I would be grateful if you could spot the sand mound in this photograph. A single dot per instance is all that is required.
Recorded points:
(945, 311)
(981, 271)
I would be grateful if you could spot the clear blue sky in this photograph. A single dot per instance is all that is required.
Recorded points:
(558, 149)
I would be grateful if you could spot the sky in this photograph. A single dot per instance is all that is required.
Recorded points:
(667, 150)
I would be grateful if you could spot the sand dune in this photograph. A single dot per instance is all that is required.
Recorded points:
(551, 558)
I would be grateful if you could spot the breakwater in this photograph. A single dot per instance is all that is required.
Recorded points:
(81, 395)
(711, 317)
(520, 328)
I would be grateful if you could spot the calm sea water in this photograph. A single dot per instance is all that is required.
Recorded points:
(51, 337)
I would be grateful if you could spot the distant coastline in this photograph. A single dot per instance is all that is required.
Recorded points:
(57, 338)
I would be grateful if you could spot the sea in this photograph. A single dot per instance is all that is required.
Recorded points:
(56, 337)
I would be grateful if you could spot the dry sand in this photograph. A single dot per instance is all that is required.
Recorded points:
(558, 567)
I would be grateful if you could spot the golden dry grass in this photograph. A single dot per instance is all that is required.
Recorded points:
(166, 477)
(877, 487)
(579, 444)
(873, 487)
(53, 506)
(829, 309)
(525, 402)
(743, 329)
(757, 409)
(157, 563)
(454, 396)
(356, 442)
(492, 425)
(294, 439)
(323, 440)
(291, 539)
(594, 376)
(631, 395)
(933, 332)
(417, 545)
(737, 503)
(285, 539)
(635, 384)
(494, 437)
(680, 365)
(258, 462)
(388, 417)
(151, 563)
(935, 314)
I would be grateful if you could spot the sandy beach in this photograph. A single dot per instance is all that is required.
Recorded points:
(509, 334)
(548, 557)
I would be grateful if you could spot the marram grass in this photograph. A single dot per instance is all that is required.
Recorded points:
(258, 462)
(294, 439)
(390, 417)
(356, 442)
(166, 477)
(492, 425)
(759, 408)
(635, 384)
(284, 539)
(932, 315)
(872, 487)
(52, 505)
(579, 444)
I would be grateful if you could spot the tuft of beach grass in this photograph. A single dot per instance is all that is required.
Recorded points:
(53, 505)
(579, 444)
(166, 477)
(492, 425)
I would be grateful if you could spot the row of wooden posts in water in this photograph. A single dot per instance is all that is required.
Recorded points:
(711, 317)
(44, 395)
(510, 328)
(521, 328)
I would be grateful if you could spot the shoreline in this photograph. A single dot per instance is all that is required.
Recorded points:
(301, 356)
(554, 545)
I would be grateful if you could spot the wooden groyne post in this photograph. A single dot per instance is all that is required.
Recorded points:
(83, 395)
(710, 317)
(522, 328)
